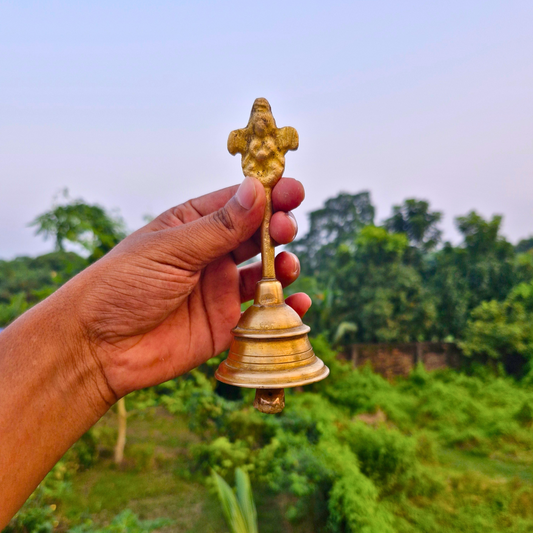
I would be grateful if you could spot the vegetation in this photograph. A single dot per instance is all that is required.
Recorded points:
(239, 507)
(442, 451)
(398, 282)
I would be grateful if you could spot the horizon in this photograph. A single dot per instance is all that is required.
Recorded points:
(70, 247)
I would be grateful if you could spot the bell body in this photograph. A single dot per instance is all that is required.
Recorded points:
(270, 348)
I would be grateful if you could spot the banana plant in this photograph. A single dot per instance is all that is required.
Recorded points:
(238, 507)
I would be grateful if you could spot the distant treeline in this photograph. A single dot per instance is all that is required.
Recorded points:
(391, 282)
(398, 282)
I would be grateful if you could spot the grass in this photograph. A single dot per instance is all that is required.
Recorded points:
(156, 481)
(156, 486)
(465, 461)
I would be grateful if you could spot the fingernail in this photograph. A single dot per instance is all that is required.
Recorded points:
(295, 223)
(296, 270)
(246, 193)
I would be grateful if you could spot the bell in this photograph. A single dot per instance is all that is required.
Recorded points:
(270, 350)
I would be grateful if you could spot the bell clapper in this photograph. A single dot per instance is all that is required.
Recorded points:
(269, 401)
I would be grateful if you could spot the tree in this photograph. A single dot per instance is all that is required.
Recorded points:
(90, 226)
(525, 245)
(414, 218)
(488, 262)
(483, 267)
(25, 281)
(379, 293)
(338, 222)
(501, 331)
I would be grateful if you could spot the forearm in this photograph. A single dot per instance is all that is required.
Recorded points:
(51, 392)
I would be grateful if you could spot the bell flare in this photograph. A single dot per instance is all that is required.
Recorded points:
(271, 350)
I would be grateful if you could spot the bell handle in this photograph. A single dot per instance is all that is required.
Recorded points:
(267, 244)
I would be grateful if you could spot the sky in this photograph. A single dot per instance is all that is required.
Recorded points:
(129, 104)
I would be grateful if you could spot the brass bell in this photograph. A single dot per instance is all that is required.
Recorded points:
(270, 349)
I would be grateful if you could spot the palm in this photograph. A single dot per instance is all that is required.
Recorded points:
(155, 318)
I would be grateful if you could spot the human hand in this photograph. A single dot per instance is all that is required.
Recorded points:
(165, 299)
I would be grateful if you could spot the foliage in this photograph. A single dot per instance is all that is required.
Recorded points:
(352, 470)
(26, 281)
(75, 221)
(125, 522)
(337, 223)
(414, 219)
(501, 330)
(525, 245)
(239, 507)
(354, 452)
(381, 295)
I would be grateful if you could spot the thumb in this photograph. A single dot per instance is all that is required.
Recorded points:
(203, 241)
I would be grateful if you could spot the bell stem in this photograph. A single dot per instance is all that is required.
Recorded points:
(267, 244)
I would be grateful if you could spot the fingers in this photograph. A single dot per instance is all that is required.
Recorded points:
(200, 242)
(287, 270)
(283, 227)
(287, 194)
(300, 302)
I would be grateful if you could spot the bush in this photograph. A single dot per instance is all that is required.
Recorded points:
(353, 501)
(386, 456)
(125, 522)
(223, 456)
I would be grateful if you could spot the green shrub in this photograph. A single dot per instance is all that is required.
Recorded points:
(125, 522)
(524, 415)
(84, 453)
(32, 519)
(353, 500)
(223, 456)
(386, 456)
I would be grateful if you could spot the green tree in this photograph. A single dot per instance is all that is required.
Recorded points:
(524, 245)
(501, 331)
(75, 221)
(378, 292)
(414, 218)
(25, 281)
(483, 267)
(338, 222)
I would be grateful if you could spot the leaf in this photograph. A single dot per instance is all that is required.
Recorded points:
(246, 500)
(230, 506)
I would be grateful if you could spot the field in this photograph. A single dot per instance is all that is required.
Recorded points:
(434, 452)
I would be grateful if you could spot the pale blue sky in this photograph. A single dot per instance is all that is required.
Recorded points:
(129, 104)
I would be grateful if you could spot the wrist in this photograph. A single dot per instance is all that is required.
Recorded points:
(84, 373)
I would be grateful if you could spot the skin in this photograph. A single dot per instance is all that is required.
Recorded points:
(159, 304)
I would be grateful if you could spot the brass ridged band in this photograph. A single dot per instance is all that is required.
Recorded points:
(256, 378)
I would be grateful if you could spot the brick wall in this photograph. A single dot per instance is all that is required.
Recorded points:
(391, 360)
